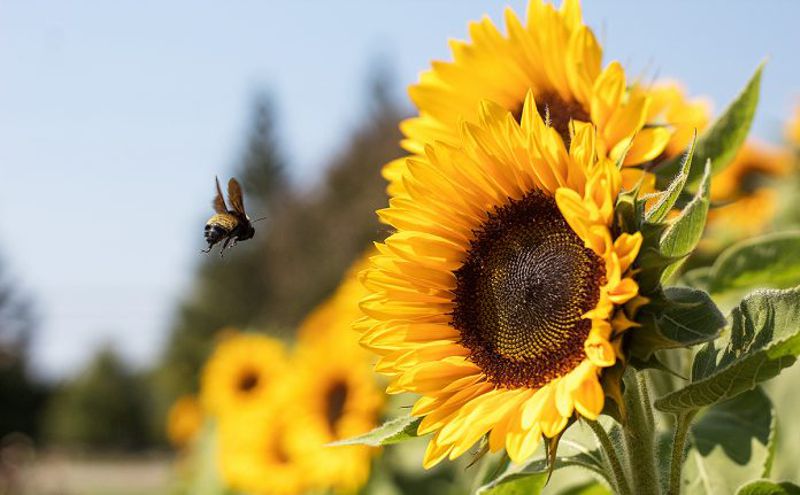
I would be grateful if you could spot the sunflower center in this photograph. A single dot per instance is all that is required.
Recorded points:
(334, 402)
(248, 381)
(558, 112)
(522, 291)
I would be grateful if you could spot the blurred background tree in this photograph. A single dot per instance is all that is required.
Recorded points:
(312, 233)
(102, 408)
(22, 398)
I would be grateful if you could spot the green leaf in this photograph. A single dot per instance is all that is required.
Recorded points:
(683, 317)
(697, 277)
(722, 140)
(770, 261)
(731, 443)
(536, 471)
(394, 431)
(589, 488)
(516, 484)
(690, 317)
(682, 236)
(201, 474)
(767, 487)
(668, 197)
(764, 339)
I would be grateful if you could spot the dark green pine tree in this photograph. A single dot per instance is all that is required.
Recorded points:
(22, 398)
(102, 408)
(311, 236)
(316, 236)
(230, 291)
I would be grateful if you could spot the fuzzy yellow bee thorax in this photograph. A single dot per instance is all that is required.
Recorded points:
(224, 220)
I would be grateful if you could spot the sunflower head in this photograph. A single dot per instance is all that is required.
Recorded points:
(254, 455)
(550, 53)
(670, 107)
(745, 191)
(243, 371)
(335, 392)
(336, 397)
(500, 298)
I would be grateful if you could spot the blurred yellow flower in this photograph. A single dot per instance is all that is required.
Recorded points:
(554, 55)
(335, 395)
(184, 420)
(670, 107)
(497, 298)
(746, 190)
(245, 371)
(253, 455)
(793, 127)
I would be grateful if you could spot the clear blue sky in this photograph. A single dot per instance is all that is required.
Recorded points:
(115, 116)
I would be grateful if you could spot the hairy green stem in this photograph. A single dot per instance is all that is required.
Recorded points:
(639, 435)
(682, 423)
(620, 478)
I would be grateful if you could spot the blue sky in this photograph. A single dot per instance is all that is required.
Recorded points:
(115, 116)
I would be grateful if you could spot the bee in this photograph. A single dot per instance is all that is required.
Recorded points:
(231, 225)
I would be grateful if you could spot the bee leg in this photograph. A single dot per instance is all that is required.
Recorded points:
(224, 245)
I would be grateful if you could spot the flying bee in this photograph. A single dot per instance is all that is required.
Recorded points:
(231, 225)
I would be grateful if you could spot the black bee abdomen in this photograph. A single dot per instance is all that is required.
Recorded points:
(245, 232)
(214, 233)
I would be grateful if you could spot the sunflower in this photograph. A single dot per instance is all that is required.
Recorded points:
(497, 299)
(670, 107)
(745, 191)
(253, 455)
(335, 393)
(184, 420)
(242, 373)
(554, 55)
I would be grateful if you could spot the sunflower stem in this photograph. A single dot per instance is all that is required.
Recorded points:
(639, 434)
(620, 479)
(682, 423)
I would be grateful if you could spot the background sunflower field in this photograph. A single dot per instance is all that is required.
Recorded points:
(132, 364)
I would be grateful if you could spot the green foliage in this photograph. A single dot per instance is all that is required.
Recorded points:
(683, 234)
(22, 398)
(531, 477)
(766, 487)
(393, 431)
(683, 317)
(764, 338)
(722, 140)
(733, 442)
(516, 484)
(770, 261)
(102, 408)
(669, 197)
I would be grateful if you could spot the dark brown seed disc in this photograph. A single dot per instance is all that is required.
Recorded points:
(521, 293)
(248, 380)
(557, 113)
(335, 400)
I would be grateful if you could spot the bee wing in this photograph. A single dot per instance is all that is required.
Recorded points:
(219, 201)
(235, 196)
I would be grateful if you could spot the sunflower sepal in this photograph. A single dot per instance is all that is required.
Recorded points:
(666, 199)
(721, 141)
(685, 232)
(613, 388)
(676, 317)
